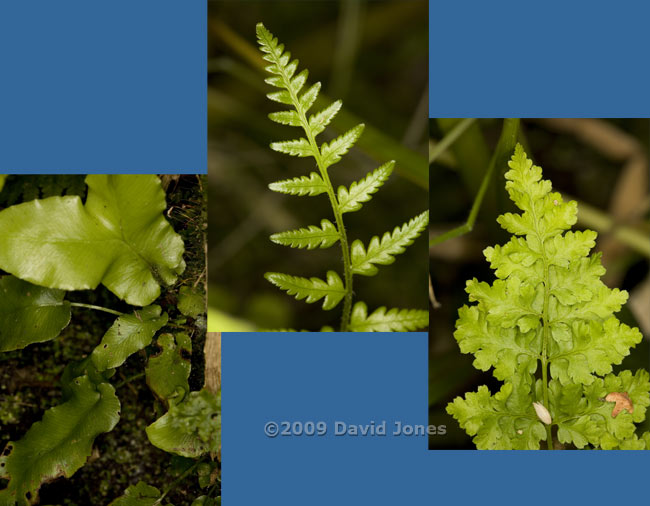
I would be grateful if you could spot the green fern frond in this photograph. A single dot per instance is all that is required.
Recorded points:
(331, 153)
(362, 191)
(382, 320)
(311, 237)
(356, 260)
(311, 185)
(312, 289)
(383, 252)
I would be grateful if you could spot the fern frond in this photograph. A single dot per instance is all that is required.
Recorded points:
(318, 121)
(299, 147)
(301, 186)
(362, 191)
(382, 320)
(312, 289)
(290, 118)
(311, 237)
(332, 152)
(309, 97)
(383, 252)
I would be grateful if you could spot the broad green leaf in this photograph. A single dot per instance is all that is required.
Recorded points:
(332, 152)
(191, 428)
(168, 371)
(312, 185)
(299, 147)
(2, 181)
(504, 421)
(190, 302)
(362, 191)
(60, 443)
(29, 313)
(311, 289)
(318, 121)
(140, 494)
(382, 320)
(383, 252)
(128, 334)
(118, 238)
(311, 237)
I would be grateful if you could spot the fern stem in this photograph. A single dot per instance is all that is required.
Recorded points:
(338, 216)
(97, 308)
(545, 327)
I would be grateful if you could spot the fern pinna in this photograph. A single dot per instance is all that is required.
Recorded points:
(547, 329)
(357, 258)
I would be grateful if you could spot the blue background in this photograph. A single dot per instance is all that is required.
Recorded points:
(113, 86)
(552, 58)
(375, 376)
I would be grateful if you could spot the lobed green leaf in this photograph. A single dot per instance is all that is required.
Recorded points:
(311, 237)
(332, 152)
(168, 371)
(139, 494)
(301, 186)
(362, 191)
(383, 252)
(299, 147)
(312, 289)
(383, 320)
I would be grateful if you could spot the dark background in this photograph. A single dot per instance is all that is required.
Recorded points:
(373, 56)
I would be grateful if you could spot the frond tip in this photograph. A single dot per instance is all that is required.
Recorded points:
(311, 289)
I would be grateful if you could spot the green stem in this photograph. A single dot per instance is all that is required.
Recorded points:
(97, 308)
(129, 380)
(545, 325)
(451, 137)
(504, 149)
(176, 482)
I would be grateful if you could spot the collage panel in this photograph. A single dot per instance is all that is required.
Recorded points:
(110, 388)
(539, 267)
(317, 166)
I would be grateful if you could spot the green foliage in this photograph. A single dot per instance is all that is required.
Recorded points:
(357, 259)
(190, 303)
(60, 443)
(548, 312)
(190, 428)
(128, 334)
(168, 371)
(2, 181)
(30, 314)
(119, 238)
(139, 494)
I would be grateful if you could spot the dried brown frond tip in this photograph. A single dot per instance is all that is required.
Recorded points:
(622, 401)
